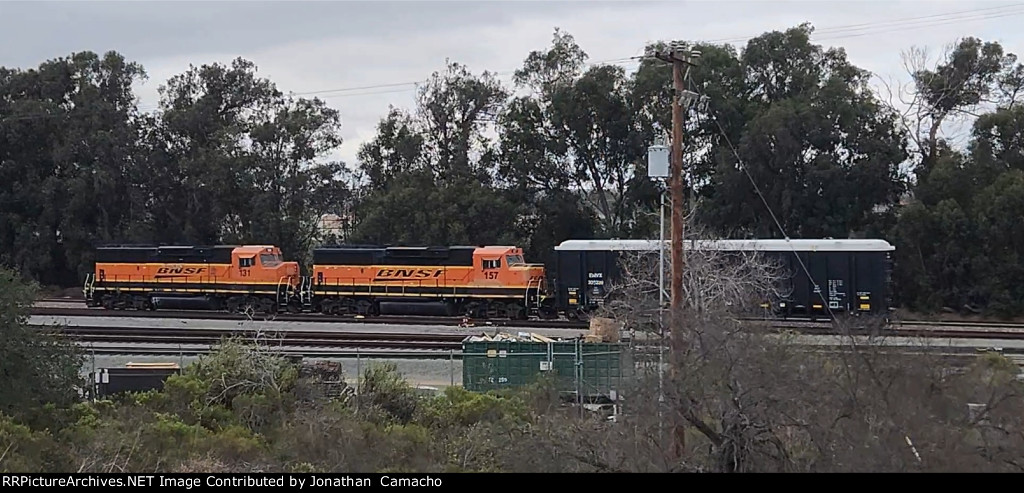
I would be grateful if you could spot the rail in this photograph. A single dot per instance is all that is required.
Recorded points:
(289, 338)
(821, 326)
(307, 317)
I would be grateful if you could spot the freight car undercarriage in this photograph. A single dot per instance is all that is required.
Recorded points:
(331, 306)
(470, 307)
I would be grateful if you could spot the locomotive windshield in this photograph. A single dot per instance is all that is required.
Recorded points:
(270, 259)
(514, 259)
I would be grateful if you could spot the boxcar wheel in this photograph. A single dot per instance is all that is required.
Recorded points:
(547, 312)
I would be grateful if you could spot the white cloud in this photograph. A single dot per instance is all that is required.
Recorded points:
(605, 30)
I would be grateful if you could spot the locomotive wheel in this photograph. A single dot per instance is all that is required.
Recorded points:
(252, 305)
(516, 311)
(364, 307)
(140, 302)
(584, 316)
(344, 306)
(234, 304)
(478, 309)
(327, 307)
(266, 305)
(124, 301)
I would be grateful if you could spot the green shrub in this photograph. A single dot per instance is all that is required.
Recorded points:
(23, 450)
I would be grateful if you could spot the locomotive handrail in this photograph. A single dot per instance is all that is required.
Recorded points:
(288, 288)
(88, 289)
(526, 299)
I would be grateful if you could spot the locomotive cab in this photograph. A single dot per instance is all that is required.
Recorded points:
(264, 264)
(505, 267)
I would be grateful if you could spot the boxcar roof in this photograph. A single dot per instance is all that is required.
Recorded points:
(801, 245)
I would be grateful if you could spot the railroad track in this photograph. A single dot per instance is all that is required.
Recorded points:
(286, 338)
(181, 350)
(308, 317)
(911, 328)
(923, 330)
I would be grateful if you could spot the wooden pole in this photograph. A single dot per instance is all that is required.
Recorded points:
(680, 60)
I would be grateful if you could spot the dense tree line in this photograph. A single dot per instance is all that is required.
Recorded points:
(227, 157)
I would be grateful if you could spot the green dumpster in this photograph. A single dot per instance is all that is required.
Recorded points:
(590, 368)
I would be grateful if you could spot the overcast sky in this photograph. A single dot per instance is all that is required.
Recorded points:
(343, 46)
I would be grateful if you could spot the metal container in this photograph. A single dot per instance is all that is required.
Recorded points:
(134, 377)
(585, 368)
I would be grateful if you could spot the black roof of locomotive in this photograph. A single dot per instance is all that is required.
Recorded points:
(201, 254)
(394, 255)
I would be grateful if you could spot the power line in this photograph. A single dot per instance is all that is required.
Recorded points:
(837, 32)
(613, 61)
(757, 189)
(856, 30)
(829, 33)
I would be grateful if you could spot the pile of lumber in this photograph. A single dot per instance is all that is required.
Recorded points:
(505, 337)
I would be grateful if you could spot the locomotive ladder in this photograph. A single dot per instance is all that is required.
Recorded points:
(306, 290)
(89, 288)
(526, 301)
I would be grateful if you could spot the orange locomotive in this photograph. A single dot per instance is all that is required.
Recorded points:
(486, 281)
(227, 276)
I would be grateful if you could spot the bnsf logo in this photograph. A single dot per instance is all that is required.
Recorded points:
(408, 273)
(181, 270)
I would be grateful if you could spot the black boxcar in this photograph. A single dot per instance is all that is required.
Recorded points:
(849, 276)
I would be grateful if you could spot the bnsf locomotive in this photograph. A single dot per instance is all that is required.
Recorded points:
(847, 276)
(482, 282)
(225, 277)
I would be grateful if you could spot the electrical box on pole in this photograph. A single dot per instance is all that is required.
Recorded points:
(658, 161)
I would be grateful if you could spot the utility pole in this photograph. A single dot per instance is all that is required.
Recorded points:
(681, 59)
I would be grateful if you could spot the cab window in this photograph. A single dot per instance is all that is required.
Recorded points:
(514, 259)
(270, 259)
(492, 263)
(246, 261)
